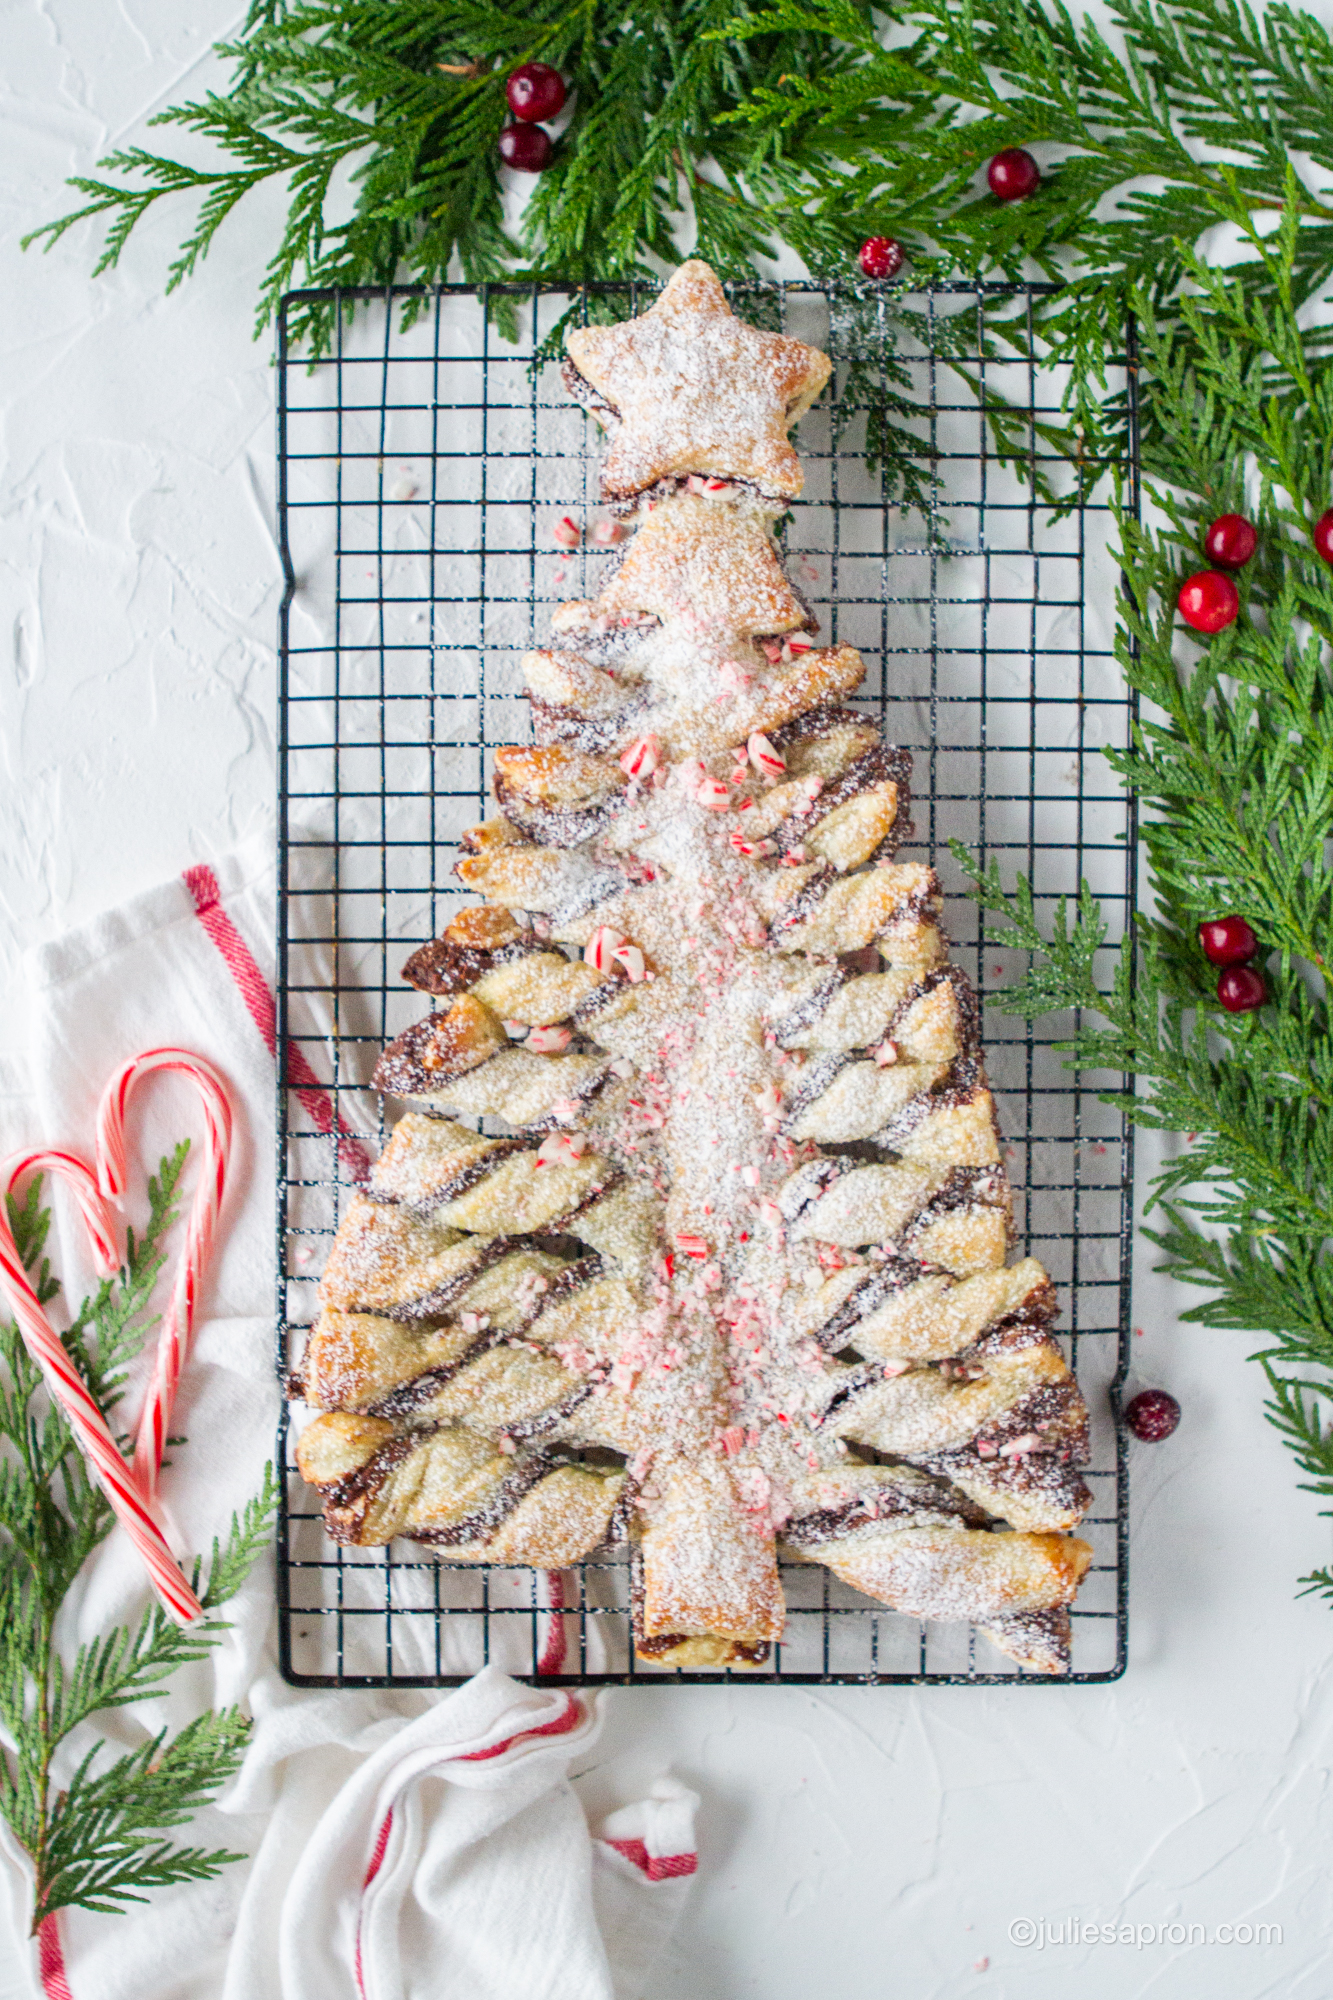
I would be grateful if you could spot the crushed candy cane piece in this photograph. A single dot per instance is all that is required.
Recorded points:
(713, 795)
(886, 1054)
(691, 1246)
(515, 1030)
(549, 1041)
(1020, 1446)
(600, 950)
(562, 1149)
(772, 651)
(797, 644)
(642, 758)
(766, 760)
(607, 533)
(732, 1440)
(631, 958)
(567, 532)
(474, 1322)
(812, 787)
(733, 678)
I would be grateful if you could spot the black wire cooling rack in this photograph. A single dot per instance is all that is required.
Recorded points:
(421, 469)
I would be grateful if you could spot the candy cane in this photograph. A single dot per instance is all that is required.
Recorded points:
(113, 1175)
(67, 1385)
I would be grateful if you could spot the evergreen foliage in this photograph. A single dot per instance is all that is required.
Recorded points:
(95, 1840)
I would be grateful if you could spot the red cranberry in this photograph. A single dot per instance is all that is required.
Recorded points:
(525, 147)
(1323, 536)
(1241, 989)
(881, 257)
(1231, 541)
(1013, 175)
(1208, 600)
(534, 92)
(1152, 1415)
(1227, 941)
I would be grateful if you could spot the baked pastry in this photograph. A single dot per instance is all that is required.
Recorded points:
(727, 1274)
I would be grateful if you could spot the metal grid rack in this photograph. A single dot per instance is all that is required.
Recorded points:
(421, 468)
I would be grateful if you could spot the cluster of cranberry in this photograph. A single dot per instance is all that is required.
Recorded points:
(533, 92)
(1230, 943)
(1012, 176)
(1209, 600)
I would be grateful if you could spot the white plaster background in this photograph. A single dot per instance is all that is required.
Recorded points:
(875, 1844)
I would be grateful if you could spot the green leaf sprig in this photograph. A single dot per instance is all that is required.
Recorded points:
(95, 1840)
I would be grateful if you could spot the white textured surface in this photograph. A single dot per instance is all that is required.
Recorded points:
(868, 1843)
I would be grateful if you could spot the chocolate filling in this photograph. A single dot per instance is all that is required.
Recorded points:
(515, 1486)
(969, 1013)
(556, 826)
(435, 1304)
(803, 904)
(444, 967)
(1053, 1404)
(818, 721)
(873, 1291)
(1034, 1638)
(806, 1012)
(561, 1223)
(601, 996)
(966, 1187)
(458, 1182)
(347, 1500)
(549, 1420)
(889, 1504)
(959, 1087)
(808, 1183)
(555, 722)
(873, 767)
(818, 1077)
(409, 1396)
(400, 1072)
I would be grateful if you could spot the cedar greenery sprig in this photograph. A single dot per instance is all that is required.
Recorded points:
(1131, 183)
(1233, 760)
(95, 1840)
(410, 99)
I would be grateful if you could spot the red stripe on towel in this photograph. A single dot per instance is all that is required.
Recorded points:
(202, 884)
(559, 1725)
(657, 1867)
(51, 1961)
(552, 1660)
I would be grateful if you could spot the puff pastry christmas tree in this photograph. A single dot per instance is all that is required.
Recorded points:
(734, 1278)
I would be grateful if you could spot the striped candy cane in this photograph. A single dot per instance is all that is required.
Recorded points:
(67, 1385)
(113, 1177)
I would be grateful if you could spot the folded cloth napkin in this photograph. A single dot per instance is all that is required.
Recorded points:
(191, 964)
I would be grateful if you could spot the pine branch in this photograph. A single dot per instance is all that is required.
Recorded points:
(95, 1843)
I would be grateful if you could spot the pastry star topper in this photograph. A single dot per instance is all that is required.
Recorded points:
(687, 387)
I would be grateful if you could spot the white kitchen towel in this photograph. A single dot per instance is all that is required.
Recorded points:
(190, 964)
(457, 1861)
